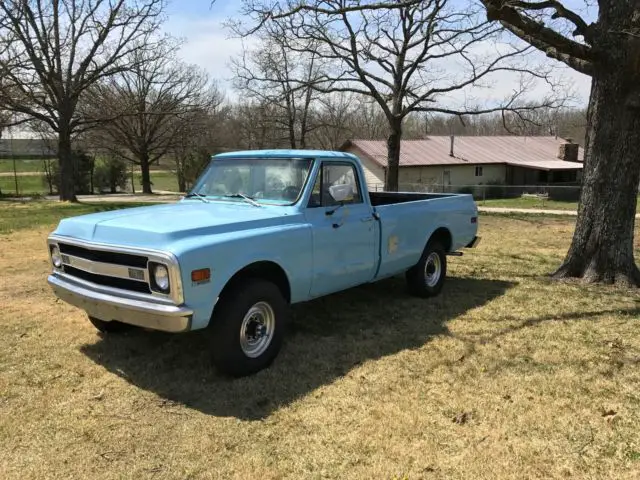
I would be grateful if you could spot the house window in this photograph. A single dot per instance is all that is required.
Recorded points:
(478, 171)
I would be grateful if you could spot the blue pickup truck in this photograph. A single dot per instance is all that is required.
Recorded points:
(260, 230)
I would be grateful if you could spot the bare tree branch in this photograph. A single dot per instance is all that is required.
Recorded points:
(52, 52)
(407, 56)
(142, 112)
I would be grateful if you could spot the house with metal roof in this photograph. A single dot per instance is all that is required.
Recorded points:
(450, 162)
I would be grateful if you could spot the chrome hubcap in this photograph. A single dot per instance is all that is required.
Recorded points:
(256, 331)
(432, 269)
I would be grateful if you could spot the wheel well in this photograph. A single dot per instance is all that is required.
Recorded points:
(442, 235)
(264, 270)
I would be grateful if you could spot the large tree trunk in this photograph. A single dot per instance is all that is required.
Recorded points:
(393, 156)
(66, 167)
(146, 175)
(602, 246)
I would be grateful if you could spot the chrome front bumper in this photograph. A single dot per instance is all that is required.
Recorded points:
(107, 306)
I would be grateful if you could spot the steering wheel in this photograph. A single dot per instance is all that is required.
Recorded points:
(290, 192)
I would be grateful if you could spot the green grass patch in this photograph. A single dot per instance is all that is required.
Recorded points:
(33, 165)
(165, 181)
(27, 184)
(22, 215)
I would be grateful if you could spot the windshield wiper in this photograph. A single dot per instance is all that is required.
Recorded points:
(246, 198)
(197, 195)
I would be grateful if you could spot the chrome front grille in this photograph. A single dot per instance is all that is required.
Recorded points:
(109, 267)
(104, 256)
(129, 273)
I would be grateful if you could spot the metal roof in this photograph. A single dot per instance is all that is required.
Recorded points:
(530, 152)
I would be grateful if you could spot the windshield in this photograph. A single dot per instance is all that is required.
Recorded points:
(266, 180)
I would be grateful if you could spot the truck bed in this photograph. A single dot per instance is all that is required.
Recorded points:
(390, 198)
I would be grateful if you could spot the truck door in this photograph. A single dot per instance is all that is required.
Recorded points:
(344, 230)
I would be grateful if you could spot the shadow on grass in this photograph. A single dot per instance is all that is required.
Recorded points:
(327, 338)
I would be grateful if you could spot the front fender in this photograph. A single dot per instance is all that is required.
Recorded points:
(289, 247)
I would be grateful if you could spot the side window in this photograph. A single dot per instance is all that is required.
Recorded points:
(336, 180)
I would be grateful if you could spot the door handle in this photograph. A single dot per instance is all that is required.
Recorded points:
(366, 219)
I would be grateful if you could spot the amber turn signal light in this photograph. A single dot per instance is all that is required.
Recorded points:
(200, 275)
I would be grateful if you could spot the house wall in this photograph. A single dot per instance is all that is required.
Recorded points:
(373, 172)
(430, 175)
(458, 175)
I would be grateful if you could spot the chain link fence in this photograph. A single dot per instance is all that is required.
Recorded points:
(482, 193)
(36, 177)
(22, 177)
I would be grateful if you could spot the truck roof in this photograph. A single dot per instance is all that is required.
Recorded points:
(286, 153)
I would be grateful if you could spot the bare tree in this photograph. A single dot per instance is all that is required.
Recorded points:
(203, 135)
(144, 110)
(276, 75)
(52, 51)
(334, 115)
(407, 59)
(252, 126)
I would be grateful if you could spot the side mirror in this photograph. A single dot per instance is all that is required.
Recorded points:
(340, 193)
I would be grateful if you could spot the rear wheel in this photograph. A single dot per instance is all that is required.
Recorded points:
(426, 278)
(248, 327)
(110, 327)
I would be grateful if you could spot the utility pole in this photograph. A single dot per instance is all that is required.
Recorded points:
(15, 173)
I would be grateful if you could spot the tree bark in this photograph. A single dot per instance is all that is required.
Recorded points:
(602, 246)
(133, 181)
(393, 156)
(67, 168)
(146, 175)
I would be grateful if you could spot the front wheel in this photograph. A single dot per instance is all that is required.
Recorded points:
(426, 278)
(248, 328)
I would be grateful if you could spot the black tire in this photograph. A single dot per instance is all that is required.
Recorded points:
(229, 357)
(110, 327)
(419, 281)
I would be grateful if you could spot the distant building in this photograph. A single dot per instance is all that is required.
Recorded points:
(458, 161)
(27, 148)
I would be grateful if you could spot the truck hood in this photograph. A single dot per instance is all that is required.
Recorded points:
(156, 226)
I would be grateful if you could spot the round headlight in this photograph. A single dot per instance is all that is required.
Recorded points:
(161, 277)
(56, 258)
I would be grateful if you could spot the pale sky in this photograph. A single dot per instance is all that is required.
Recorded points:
(209, 45)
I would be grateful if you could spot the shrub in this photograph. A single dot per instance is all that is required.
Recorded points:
(83, 165)
(110, 175)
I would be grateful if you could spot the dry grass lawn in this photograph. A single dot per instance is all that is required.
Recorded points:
(505, 375)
